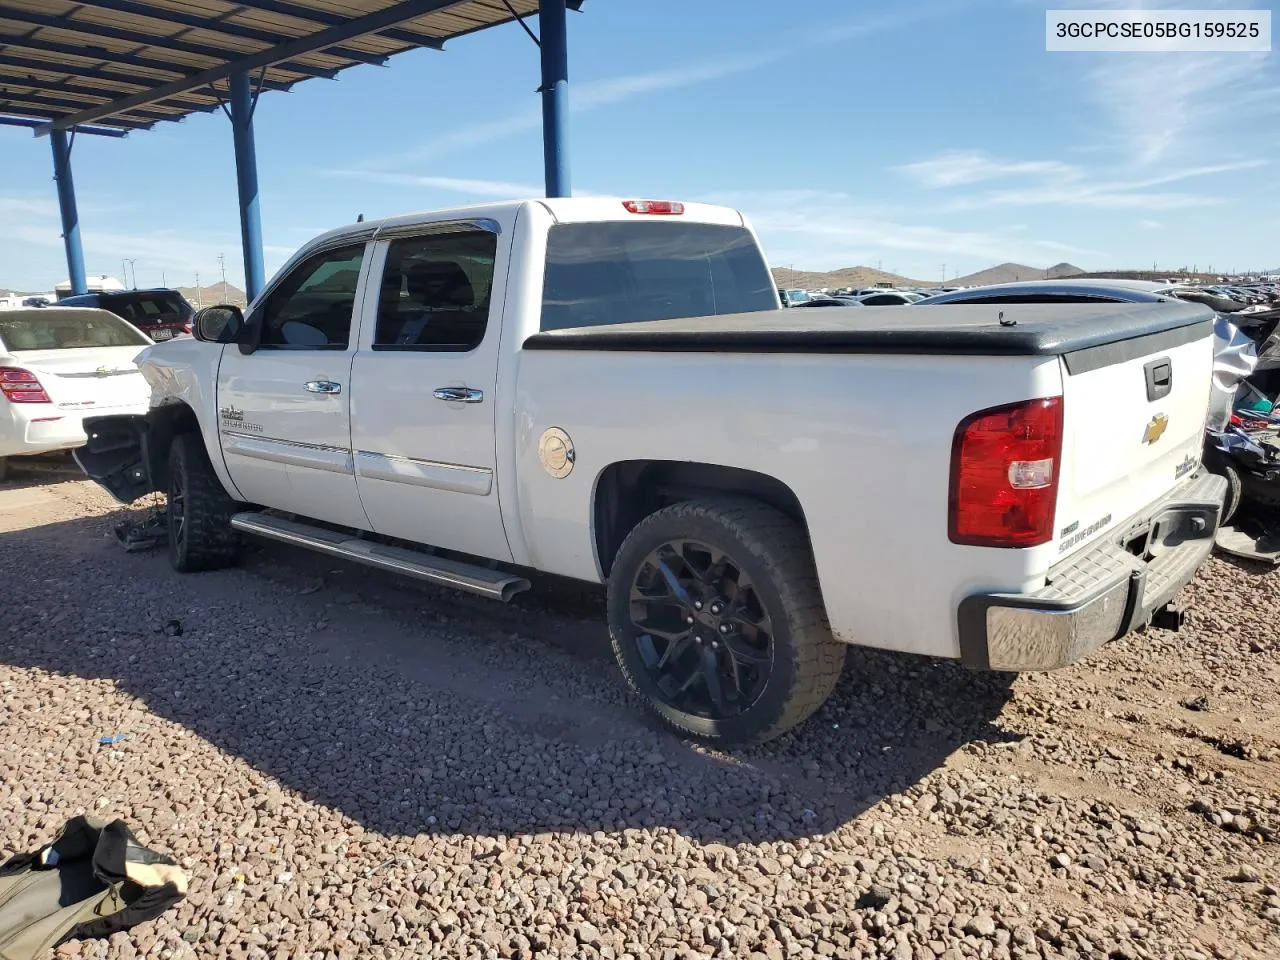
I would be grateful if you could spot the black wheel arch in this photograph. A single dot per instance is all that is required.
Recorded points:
(629, 490)
(163, 424)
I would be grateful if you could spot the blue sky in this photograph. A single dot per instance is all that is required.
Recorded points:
(909, 135)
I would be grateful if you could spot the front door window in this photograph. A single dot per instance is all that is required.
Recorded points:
(311, 308)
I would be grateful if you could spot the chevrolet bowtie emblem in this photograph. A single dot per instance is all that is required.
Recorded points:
(1155, 429)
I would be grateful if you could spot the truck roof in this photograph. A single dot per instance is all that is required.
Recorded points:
(563, 209)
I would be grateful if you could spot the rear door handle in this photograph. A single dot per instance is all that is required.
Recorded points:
(329, 387)
(458, 394)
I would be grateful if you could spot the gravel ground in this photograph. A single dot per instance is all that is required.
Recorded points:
(356, 766)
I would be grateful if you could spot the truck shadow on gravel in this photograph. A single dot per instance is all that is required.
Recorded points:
(38, 471)
(413, 710)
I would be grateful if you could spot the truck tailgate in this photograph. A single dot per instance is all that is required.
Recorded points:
(1133, 424)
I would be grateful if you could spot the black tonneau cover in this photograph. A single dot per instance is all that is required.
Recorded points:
(1093, 335)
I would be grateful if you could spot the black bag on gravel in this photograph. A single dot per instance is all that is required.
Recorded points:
(93, 880)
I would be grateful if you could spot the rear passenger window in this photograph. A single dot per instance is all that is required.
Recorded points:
(435, 292)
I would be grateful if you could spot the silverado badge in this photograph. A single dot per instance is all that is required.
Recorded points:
(1155, 429)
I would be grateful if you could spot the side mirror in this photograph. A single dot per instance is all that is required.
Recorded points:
(220, 324)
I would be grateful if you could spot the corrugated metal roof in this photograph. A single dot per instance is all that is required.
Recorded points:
(134, 64)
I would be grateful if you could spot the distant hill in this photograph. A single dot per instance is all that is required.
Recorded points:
(844, 277)
(869, 276)
(1013, 272)
(208, 296)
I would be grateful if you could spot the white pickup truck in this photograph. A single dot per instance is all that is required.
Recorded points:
(608, 390)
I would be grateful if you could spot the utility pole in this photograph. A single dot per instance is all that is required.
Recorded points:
(198, 288)
(222, 265)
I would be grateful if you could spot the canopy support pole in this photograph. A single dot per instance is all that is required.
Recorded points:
(67, 208)
(242, 104)
(554, 47)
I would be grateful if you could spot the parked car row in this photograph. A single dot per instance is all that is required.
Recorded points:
(880, 296)
(59, 365)
(60, 362)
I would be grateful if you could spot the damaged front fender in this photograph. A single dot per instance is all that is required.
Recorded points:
(128, 455)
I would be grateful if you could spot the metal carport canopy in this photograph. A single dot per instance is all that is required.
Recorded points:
(112, 66)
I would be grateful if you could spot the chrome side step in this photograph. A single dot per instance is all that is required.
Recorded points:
(413, 563)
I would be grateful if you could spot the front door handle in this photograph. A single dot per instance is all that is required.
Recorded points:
(458, 394)
(329, 387)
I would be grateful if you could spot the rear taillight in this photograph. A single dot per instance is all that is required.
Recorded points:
(658, 207)
(21, 386)
(1004, 475)
(186, 328)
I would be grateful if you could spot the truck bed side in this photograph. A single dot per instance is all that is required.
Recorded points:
(863, 442)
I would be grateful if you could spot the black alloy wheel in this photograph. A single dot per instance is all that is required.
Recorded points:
(718, 623)
(701, 630)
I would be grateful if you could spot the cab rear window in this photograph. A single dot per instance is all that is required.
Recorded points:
(624, 272)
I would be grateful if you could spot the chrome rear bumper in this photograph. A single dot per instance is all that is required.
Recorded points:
(1100, 594)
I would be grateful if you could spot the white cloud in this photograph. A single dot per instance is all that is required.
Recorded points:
(12, 208)
(823, 231)
(593, 94)
(1057, 183)
(503, 189)
(582, 97)
(1076, 189)
(958, 167)
(31, 245)
(1168, 106)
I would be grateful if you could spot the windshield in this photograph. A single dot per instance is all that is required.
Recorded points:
(51, 328)
(628, 272)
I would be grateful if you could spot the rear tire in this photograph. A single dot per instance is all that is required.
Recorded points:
(775, 665)
(200, 511)
(1217, 462)
(1235, 492)
(4, 469)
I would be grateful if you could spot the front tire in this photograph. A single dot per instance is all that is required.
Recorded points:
(717, 621)
(200, 511)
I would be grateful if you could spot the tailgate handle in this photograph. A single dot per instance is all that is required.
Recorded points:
(1159, 378)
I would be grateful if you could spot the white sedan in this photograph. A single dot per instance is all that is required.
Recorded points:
(59, 365)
